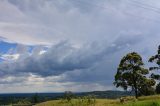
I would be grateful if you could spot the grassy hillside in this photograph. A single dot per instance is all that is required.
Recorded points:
(142, 101)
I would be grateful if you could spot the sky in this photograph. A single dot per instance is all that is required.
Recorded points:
(72, 45)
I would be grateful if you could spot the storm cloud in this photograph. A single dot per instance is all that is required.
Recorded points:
(72, 44)
(60, 58)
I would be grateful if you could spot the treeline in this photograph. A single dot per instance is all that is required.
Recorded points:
(7, 99)
(133, 75)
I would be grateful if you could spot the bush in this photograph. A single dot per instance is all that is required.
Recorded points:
(89, 100)
(23, 102)
(127, 99)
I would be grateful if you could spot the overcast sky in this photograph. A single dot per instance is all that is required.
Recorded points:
(76, 45)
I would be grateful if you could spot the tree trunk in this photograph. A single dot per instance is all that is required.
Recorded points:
(136, 90)
(135, 86)
(136, 93)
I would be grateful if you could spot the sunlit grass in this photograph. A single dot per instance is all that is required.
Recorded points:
(142, 101)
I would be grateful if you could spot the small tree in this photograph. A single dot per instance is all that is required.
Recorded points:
(131, 73)
(68, 95)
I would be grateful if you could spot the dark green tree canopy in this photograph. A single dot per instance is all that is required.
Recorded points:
(145, 86)
(155, 59)
(158, 88)
(131, 73)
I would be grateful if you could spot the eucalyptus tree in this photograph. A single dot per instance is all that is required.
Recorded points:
(156, 59)
(132, 74)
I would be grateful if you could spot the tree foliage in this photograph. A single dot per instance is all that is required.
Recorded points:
(132, 74)
(155, 59)
(146, 87)
(158, 88)
(68, 95)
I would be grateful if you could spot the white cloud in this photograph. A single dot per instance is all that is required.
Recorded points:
(9, 57)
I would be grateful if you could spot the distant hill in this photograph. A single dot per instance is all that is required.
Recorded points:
(107, 94)
(99, 94)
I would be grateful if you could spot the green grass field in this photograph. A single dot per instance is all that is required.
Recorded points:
(142, 101)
